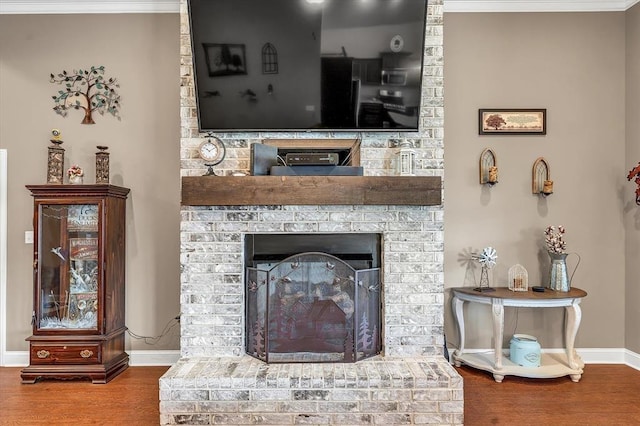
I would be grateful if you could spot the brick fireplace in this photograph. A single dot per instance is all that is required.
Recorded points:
(409, 382)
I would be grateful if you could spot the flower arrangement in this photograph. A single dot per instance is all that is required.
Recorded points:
(635, 173)
(555, 240)
(75, 171)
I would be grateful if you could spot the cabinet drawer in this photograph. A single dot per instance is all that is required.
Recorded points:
(74, 353)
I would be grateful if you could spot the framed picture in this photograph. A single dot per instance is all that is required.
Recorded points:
(82, 217)
(225, 59)
(512, 121)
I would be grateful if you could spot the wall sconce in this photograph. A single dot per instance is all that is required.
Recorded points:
(270, 89)
(488, 167)
(541, 179)
(405, 159)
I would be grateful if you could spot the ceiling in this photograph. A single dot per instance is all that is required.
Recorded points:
(172, 6)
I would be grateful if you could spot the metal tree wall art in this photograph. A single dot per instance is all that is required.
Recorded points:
(87, 90)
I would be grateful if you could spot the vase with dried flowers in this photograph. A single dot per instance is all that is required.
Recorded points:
(557, 248)
(75, 174)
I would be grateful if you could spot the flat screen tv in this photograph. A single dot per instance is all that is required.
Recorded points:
(307, 65)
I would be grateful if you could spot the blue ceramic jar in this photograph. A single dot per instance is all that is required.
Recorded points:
(525, 350)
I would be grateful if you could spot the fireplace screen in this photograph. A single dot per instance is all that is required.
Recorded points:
(313, 307)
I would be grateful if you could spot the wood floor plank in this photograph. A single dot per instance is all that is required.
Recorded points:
(606, 395)
(131, 398)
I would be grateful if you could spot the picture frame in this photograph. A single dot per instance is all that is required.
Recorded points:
(225, 59)
(512, 121)
(82, 217)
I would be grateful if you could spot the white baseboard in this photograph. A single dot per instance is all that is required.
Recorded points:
(169, 357)
(149, 358)
(136, 358)
(602, 355)
(15, 359)
(632, 359)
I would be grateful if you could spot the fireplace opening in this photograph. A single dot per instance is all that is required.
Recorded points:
(313, 306)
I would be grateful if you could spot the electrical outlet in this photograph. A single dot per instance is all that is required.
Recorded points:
(28, 237)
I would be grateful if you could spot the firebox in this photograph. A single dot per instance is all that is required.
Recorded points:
(313, 306)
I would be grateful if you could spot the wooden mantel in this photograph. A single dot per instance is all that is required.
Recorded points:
(311, 190)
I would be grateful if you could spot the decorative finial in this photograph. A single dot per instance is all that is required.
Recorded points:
(102, 164)
(56, 136)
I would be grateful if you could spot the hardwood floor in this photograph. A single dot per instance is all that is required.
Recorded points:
(131, 398)
(606, 395)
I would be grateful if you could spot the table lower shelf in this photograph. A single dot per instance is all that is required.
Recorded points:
(551, 365)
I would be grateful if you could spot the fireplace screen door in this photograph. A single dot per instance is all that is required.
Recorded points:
(313, 307)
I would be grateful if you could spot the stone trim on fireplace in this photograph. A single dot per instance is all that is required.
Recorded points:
(411, 382)
(212, 270)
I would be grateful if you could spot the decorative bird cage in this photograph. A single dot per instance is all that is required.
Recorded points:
(518, 278)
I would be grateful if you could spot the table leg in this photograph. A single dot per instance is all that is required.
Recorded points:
(574, 316)
(458, 313)
(498, 330)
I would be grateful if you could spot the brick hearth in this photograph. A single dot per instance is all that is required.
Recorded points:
(247, 391)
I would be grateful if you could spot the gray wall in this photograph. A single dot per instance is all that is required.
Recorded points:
(142, 52)
(631, 210)
(571, 63)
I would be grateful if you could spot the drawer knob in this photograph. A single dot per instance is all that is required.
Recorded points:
(86, 353)
(43, 354)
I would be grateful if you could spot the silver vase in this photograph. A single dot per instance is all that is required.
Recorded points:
(559, 276)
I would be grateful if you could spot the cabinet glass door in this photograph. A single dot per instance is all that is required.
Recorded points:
(68, 273)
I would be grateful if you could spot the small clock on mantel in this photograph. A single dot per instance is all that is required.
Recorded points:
(212, 151)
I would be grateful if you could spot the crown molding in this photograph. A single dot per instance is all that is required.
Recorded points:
(538, 5)
(46, 7)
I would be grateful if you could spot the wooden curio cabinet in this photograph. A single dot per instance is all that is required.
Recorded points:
(79, 283)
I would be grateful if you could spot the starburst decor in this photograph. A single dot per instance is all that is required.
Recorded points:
(487, 259)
